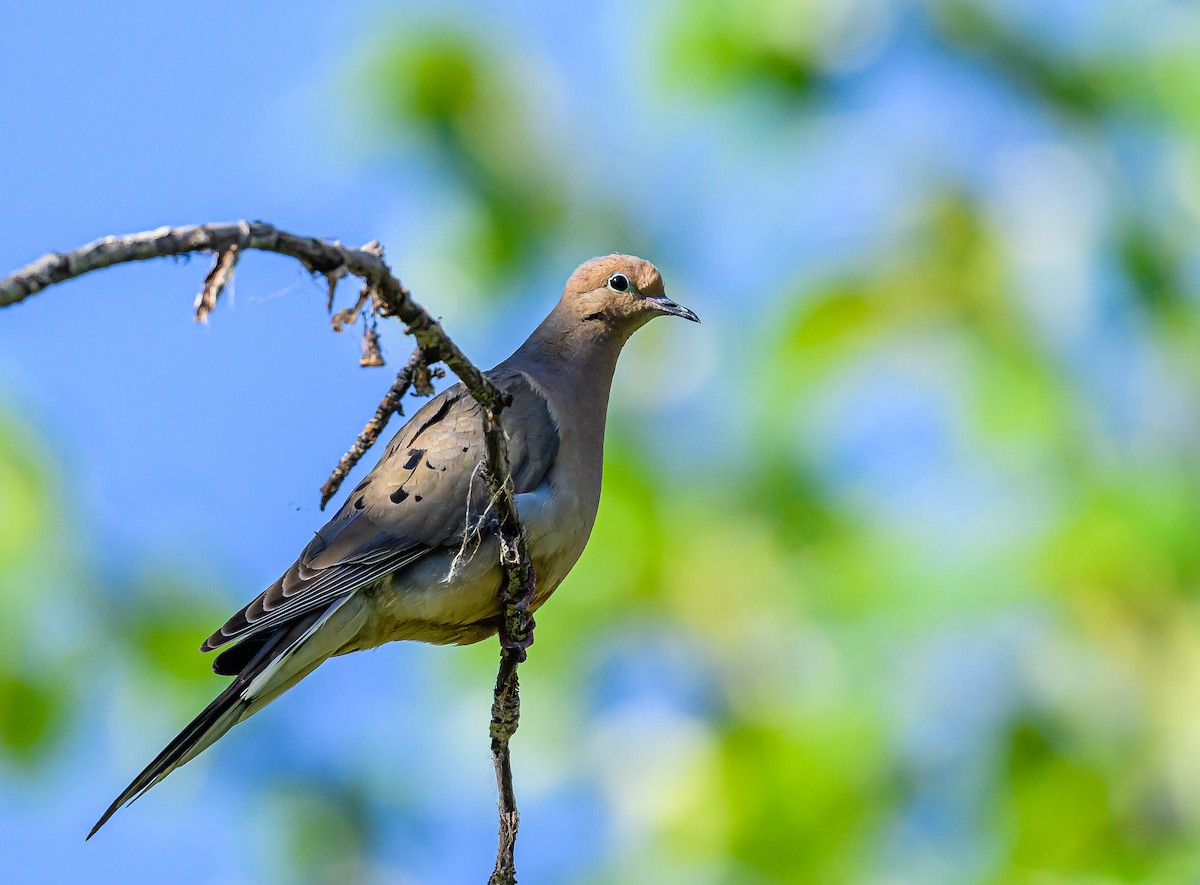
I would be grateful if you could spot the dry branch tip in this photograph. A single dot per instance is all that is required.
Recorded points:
(372, 356)
(220, 276)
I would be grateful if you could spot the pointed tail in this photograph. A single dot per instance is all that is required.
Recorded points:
(287, 655)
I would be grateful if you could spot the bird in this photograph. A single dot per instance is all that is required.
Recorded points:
(413, 553)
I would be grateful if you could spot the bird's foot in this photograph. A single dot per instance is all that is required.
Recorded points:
(520, 637)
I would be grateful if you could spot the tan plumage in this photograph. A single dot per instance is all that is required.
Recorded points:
(412, 554)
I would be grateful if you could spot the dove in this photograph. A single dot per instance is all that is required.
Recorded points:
(413, 554)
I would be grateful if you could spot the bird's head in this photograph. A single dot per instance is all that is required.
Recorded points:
(621, 291)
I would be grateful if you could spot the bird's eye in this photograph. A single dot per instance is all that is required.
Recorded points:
(618, 282)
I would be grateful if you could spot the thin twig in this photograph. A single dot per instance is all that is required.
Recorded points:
(344, 317)
(388, 298)
(216, 281)
(372, 356)
(388, 406)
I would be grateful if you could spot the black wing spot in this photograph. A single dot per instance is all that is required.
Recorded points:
(362, 485)
(416, 497)
(414, 458)
(437, 416)
(466, 448)
(358, 505)
(429, 464)
(398, 496)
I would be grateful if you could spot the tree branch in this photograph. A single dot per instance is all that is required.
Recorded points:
(416, 375)
(386, 296)
(516, 635)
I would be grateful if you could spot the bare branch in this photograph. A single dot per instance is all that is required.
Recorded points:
(214, 284)
(388, 297)
(390, 405)
(506, 710)
(319, 256)
(516, 635)
(331, 279)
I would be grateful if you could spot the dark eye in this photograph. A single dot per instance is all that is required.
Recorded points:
(618, 282)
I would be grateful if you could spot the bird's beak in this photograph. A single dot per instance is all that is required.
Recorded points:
(667, 306)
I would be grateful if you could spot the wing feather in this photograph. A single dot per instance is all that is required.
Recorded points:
(415, 501)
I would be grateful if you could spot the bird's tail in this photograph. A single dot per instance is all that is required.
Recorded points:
(289, 654)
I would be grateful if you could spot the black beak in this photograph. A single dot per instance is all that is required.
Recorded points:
(667, 306)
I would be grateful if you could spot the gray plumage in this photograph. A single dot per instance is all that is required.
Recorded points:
(412, 553)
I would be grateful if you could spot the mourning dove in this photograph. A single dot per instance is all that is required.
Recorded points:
(412, 554)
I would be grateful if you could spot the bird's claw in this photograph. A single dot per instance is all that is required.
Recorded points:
(511, 643)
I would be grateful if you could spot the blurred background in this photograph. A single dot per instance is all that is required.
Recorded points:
(895, 578)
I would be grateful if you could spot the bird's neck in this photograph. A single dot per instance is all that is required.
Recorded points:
(574, 362)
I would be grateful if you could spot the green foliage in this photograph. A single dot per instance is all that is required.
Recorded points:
(765, 45)
(811, 806)
(449, 88)
(33, 691)
(32, 712)
(24, 500)
(321, 834)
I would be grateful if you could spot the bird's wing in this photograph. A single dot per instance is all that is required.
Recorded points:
(421, 496)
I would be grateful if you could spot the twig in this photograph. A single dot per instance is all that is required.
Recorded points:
(388, 298)
(216, 281)
(372, 356)
(344, 317)
(389, 405)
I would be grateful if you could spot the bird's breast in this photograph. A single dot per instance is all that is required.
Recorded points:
(452, 596)
(557, 526)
